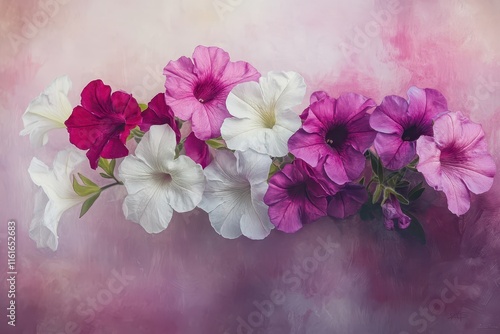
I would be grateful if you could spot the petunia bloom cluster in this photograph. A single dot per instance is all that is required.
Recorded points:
(235, 143)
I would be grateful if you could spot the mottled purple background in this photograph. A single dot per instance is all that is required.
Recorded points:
(188, 279)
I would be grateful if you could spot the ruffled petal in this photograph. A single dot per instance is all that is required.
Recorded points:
(350, 105)
(425, 105)
(47, 112)
(390, 116)
(185, 190)
(394, 152)
(283, 90)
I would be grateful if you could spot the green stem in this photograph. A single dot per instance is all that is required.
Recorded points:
(111, 185)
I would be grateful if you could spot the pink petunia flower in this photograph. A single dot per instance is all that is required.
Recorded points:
(336, 132)
(456, 161)
(197, 89)
(400, 123)
(103, 122)
(159, 113)
(347, 201)
(294, 197)
(198, 150)
(392, 212)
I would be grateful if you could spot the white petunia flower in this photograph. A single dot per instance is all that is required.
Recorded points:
(57, 196)
(234, 195)
(47, 112)
(157, 183)
(262, 116)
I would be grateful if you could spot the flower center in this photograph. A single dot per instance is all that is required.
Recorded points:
(412, 133)
(206, 90)
(268, 117)
(297, 190)
(336, 136)
(162, 178)
(452, 157)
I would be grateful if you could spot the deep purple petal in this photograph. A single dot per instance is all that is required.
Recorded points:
(394, 152)
(347, 201)
(350, 105)
(390, 116)
(361, 135)
(425, 105)
(158, 113)
(197, 150)
(320, 116)
(309, 147)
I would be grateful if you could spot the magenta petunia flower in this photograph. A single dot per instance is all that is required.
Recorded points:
(197, 89)
(400, 123)
(347, 201)
(294, 197)
(456, 161)
(392, 212)
(336, 132)
(103, 122)
(159, 113)
(197, 150)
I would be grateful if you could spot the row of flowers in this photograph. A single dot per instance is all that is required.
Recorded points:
(228, 140)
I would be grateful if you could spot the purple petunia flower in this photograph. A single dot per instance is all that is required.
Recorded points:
(159, 113)
(400, 123)
(294, 197)
(347, 201)
(392, 211)
(335, 133)
(197, 89)
(456, 161)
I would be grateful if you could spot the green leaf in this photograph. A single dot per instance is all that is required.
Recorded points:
(87, 181)
(362, 181)
(106, 176)
(400, 197)
(143, 106)
(416, 194)
(104, 164)
(377, 193)
(88, 203)
(215, 143)
(274, 168)
(84, 190)
(112, 166)
(377, 167)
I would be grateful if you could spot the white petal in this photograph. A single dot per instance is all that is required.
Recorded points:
(42, 231)
(157, 184)
(245, 100)
(186, 187)
(136, 174)
(148, 207)
(233, 182)
(157, 146)
(48, 111)
(255, 224)
(57, 183)
(283, 90)
(253, 166)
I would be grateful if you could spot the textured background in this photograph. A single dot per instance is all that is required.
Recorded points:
(188, 279)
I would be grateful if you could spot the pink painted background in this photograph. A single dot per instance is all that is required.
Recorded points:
(188, 279)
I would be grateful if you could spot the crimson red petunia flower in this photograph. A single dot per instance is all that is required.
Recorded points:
(103, 122)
